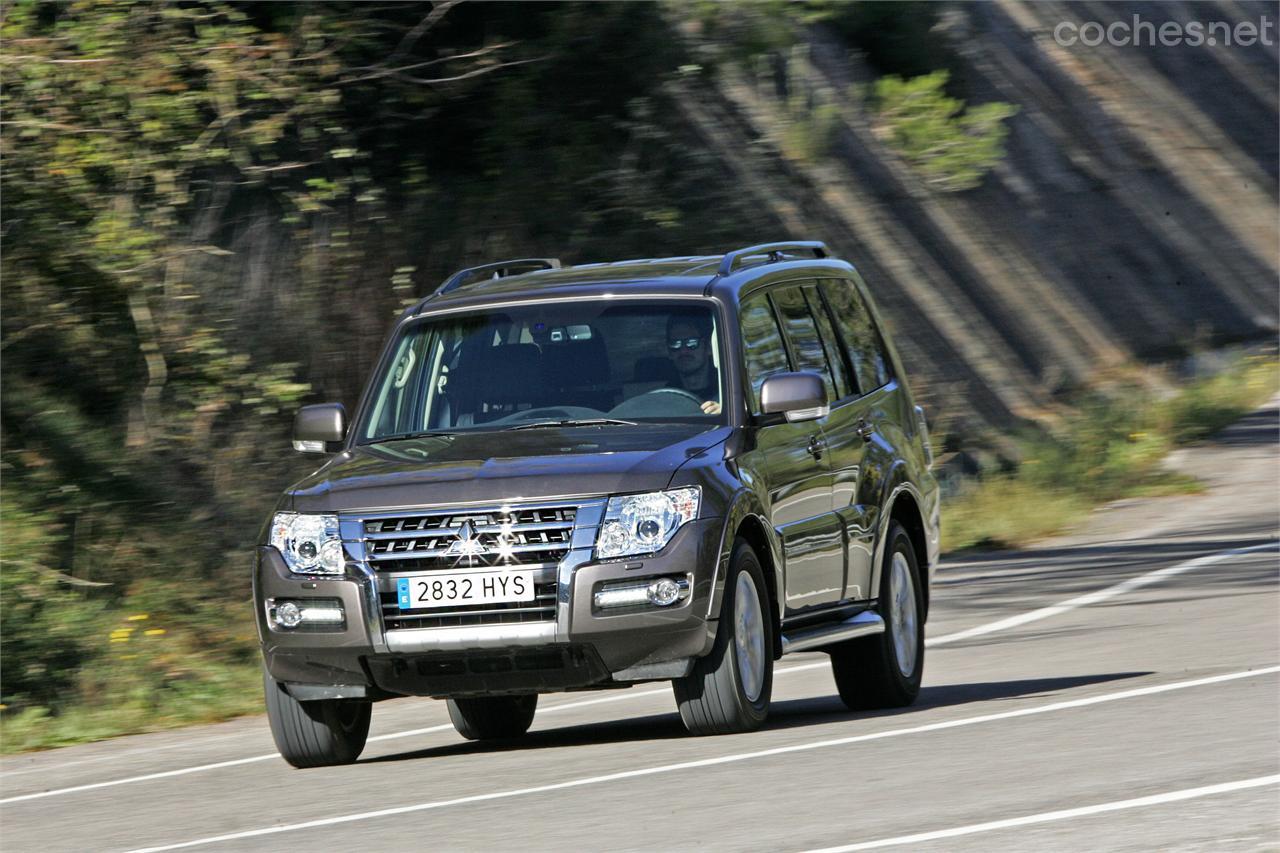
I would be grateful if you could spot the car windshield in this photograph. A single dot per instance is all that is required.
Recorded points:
(603, 362)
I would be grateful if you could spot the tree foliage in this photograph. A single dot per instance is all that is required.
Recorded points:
(951, 146)
(211, 213)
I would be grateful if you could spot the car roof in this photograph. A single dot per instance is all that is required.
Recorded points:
(685, 276)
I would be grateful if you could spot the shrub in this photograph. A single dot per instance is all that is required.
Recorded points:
(952, 147)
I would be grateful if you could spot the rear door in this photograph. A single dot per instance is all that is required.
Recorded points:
(860, 454)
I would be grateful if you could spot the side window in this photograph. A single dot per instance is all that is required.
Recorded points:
(862, 340)
(764, 353)
(802, 331)
(845, 385)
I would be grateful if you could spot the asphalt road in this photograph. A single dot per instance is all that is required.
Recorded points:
(1117, 689)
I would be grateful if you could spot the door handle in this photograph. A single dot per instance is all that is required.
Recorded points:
(865, 429)
(817, 444)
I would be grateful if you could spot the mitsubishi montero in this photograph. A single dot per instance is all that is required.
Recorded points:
(585, 477)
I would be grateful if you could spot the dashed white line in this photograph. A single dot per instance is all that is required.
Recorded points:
(1098, 596)
(980, 630)
(710, 762)
(1062, 814)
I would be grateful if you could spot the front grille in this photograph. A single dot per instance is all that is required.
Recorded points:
(541, 609)
(414, 542)
(427, 541)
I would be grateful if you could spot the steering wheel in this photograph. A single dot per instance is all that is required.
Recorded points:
(551, 412)
(679, 392)
(679, 403)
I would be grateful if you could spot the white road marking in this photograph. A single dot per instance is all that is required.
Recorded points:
(1097, 596)
(218, 765)
(990, 627)
(1063, 814)
(711, 762)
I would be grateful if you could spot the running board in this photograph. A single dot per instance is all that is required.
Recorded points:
(865, 623)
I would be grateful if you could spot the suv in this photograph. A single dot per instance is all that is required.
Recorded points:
(586, 477)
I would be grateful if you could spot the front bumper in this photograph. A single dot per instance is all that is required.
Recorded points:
(580, 647)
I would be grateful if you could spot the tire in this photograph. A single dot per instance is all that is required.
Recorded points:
(728, 690)
(316, 734)
(493, 717)
(884, 670)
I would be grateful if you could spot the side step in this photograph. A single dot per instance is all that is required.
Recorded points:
(862, 625)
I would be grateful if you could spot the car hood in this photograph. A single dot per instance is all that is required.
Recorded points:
(495, 467)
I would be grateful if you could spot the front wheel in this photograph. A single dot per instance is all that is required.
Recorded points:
(316, 734)
(884, 670)
(493, 717)
(729, 689)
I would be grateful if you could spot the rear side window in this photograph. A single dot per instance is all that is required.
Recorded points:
(845, 384)
(764, 353)
(802, 331)
(862, 339)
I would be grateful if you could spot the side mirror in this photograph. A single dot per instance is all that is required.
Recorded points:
(796, 396)
(316, 427)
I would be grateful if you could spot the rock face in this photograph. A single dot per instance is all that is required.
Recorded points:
(1134, 218)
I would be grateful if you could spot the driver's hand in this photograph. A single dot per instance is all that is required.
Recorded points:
(711, 407)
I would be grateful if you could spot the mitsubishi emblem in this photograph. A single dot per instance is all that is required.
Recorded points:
(467, 544)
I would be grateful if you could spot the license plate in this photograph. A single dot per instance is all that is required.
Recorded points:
(450, 589)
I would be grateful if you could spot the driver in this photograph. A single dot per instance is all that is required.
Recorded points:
(689, 348)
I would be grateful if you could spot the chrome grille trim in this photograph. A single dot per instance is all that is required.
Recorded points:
(502, 536)
(554, 538)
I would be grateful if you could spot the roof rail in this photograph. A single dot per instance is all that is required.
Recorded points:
(774, 251)
(499, 269)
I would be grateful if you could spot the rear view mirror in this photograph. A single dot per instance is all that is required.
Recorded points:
(315, 428)
(796, 396)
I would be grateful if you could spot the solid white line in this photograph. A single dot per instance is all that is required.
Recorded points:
(991, 627)
(1098, 596)
(711, 762)
(217, 765)
(1063, 814)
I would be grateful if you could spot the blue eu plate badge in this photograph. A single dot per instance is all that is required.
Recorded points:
(402, 593)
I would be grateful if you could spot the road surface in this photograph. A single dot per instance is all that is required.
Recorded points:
(1116, 689)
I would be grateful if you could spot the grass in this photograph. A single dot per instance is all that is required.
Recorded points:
(211, 693)
(1109, 447)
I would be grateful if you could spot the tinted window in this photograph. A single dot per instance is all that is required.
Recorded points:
(862, 341)
(802, 331)
(764, 353)
(592, 359)
(830, 342)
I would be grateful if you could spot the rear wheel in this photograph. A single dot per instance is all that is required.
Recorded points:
(316, 734)
(884, 670)
(492, 717)
(729, 689)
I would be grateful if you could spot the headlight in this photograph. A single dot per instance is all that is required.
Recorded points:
(643, 524)
(310, 544)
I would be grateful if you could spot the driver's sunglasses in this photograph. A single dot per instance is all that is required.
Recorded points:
(684, 343)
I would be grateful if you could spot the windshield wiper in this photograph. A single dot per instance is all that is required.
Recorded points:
(575, 422)
(430, 433)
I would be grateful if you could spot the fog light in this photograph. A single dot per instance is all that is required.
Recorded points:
(315, 613)
(288, 614)
(658, 592)
(664, 592)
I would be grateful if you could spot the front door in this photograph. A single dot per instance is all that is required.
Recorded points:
(799, 486)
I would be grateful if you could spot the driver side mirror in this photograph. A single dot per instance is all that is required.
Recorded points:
(796, 396)
(317, 427)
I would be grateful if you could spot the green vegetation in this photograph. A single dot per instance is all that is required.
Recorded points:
(951, 146)
(211, 213)
(1108, 447)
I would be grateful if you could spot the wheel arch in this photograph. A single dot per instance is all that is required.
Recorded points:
(905, 505)
(745, 519)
